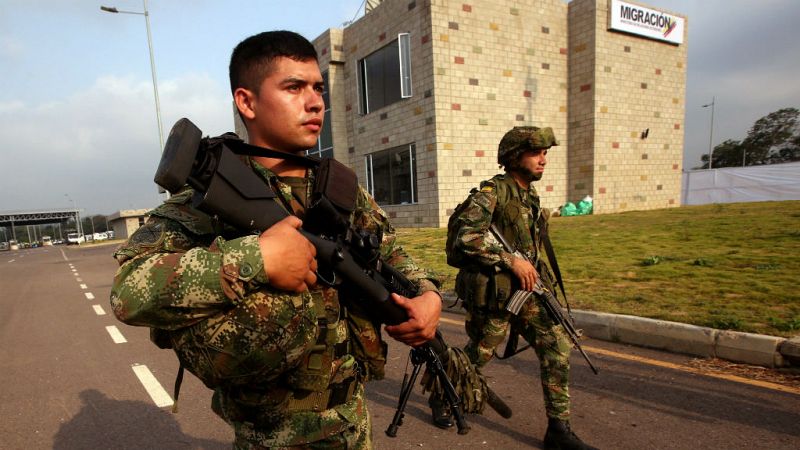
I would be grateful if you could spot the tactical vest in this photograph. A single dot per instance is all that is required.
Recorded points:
(255, 384)
(517, 215)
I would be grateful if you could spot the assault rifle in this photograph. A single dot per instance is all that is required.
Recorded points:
(347, 258)
(549, 301)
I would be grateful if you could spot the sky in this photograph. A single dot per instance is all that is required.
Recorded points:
(77, 112)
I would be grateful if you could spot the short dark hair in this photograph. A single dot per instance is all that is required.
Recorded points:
(251, 60)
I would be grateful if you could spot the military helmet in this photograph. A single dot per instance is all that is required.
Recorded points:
(520, 139)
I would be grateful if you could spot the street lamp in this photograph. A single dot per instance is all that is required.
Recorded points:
(146, 15)
(711, 132)
(79, 227)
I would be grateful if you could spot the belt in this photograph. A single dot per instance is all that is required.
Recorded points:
(317, 401)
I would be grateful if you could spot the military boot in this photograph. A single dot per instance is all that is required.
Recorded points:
(440, 412)
(559, 436)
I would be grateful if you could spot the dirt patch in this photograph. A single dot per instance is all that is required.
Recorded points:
(783, 377)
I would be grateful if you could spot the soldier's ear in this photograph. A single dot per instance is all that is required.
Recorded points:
(245, 100)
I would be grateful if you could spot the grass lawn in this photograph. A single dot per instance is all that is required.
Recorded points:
(729, 266)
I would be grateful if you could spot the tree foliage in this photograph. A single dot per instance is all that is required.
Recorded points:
(773, 139)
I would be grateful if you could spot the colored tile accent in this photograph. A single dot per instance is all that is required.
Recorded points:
(580, 47)
(452, 25)
(672, 201)
(585, 169)
(384, 140)
(448, 146)
(643, 177)
(473, 81)
(466, 8)
(602, 168)
(548, 188)
(382, 36)
(441, 71)
(383, 116)
(660, 187)
(645, 156)
(325, 51)
(615, 145)
(562, 109)
(480, 153)
(666, 146)
(491, 96)
(545, 66)
(466, 173)
(428, 93)
(526, 93)
(562, 50)
(483, 121)
(431, 173)
(444, 38)
(417, 110)
(585, 87)
(493, 26)
(477, 50)
(351, 150)
(348, 107)
(425, 39)
(627, 49)
(392, 215)
(580, 186)
(338, 48)
(677, 126)
(607, 69)
(658, 71)
(674, 167)
(675, 101)
(545, 30)
(455, 107)
(361, 130)
(417, 219)
(514, 11)
(657, 114)
(644, 85)
(507, 73)
(530, 52)
(520, 117)
(429, 121)
(430, 147)
(459, 60)
(412, 5)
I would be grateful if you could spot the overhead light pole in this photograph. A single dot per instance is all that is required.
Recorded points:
(711, 133)
(78, 226)
(146, 15)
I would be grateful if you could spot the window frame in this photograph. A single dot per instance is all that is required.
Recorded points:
(405, 84)
(411, 150)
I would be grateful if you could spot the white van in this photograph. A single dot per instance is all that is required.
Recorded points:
(47, 241)
(75, 238)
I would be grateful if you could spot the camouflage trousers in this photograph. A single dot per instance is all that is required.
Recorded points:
(346, 426)
(488, 329)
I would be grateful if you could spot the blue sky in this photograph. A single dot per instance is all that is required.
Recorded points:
(76, 100)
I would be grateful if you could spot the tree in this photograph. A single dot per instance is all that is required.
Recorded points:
(771, 134)
(774, 138)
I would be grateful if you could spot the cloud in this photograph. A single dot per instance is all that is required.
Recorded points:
(100, 145)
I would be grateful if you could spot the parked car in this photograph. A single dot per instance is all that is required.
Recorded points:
(3, 246)
(13, 245)
(47, 241)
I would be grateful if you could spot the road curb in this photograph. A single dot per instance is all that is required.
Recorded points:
(748, 348)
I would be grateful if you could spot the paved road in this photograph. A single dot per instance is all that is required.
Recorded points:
(69, 382)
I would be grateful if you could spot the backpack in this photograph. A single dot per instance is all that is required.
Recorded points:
(454, 257)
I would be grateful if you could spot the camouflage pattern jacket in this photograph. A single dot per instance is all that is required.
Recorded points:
(266, 353)
(485, 279)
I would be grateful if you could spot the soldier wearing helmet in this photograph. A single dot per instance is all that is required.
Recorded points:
(286, 357)
(488, 274)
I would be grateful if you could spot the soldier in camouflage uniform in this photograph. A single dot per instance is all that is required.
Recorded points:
(285, 357)
(488, 274)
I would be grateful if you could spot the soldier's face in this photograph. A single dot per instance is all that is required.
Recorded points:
(531, 164)
(286, 113)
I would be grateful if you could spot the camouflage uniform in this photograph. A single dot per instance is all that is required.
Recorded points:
(287, 369)
(485, 281)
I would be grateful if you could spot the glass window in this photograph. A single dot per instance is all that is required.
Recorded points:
(324, 147)
(384, 77)
(391, 177)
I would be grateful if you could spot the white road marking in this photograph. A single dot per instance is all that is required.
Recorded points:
(160, 397)
(74, 269)
(83, 286)
(98, 310)
(78, 279)
(64, 255)
(76, 274)
(12, 260)
(116, 336)
(89, 295)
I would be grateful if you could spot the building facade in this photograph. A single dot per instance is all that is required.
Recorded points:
(419, 93)
(123, 223)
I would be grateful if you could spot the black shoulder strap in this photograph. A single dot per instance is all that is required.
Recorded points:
(551, 256)
(242, 148)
